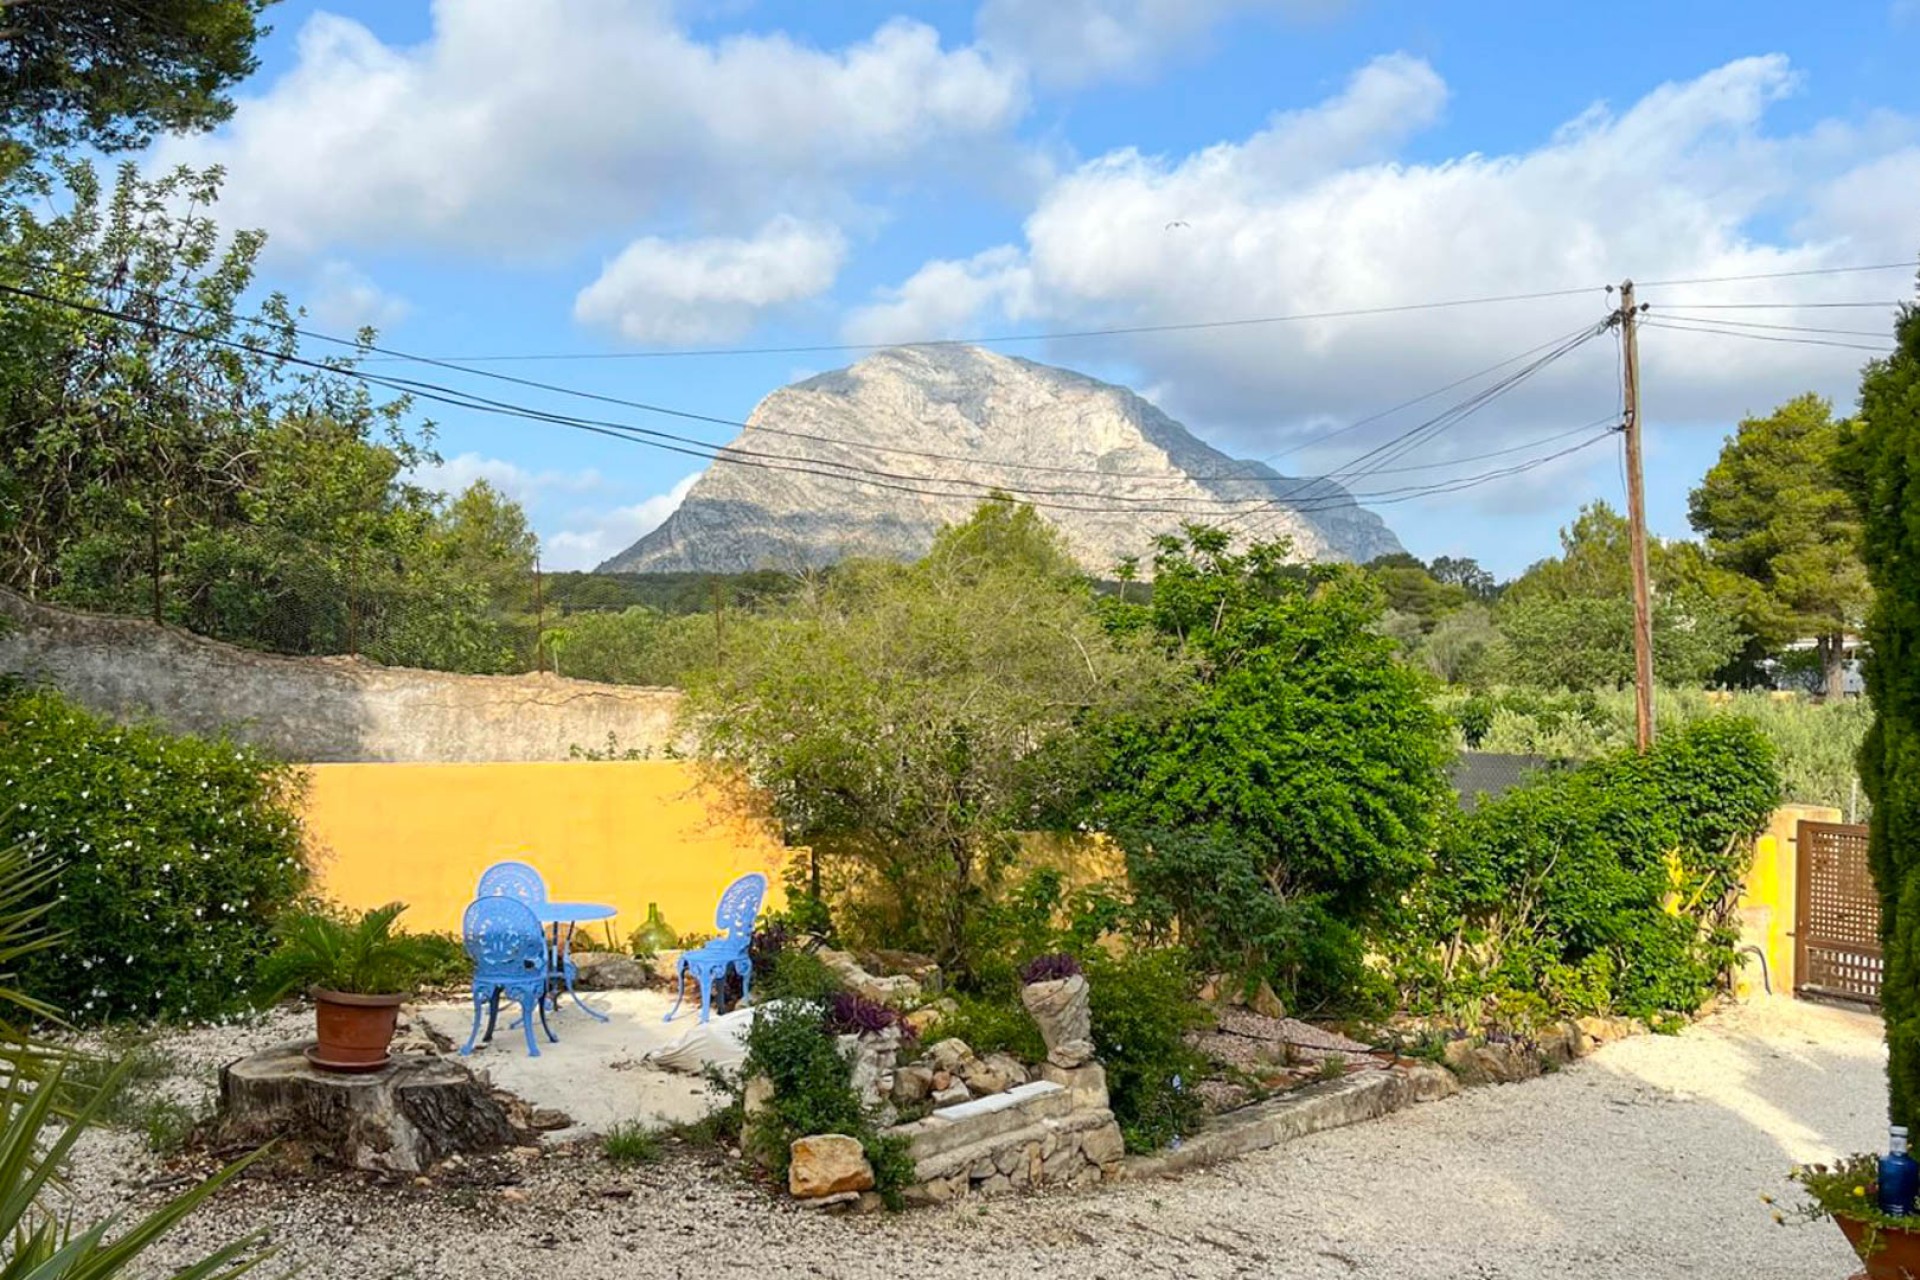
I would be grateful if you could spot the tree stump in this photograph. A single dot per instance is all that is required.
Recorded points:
(399, 1119)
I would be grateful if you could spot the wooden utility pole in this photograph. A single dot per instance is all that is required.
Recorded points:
(539, 620)
(1637, 524)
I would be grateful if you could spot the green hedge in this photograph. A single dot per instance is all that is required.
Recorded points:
(176, 852)
(1601, 888)
(1881, 464)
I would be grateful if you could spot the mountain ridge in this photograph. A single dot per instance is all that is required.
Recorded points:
(1105, 465)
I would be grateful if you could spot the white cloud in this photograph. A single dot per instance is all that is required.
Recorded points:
(344, 299)
(944, 298)
(1314, 213)
(611, 532)
(452, 475)
(522, 125)
(710, 289)
(1068, 43)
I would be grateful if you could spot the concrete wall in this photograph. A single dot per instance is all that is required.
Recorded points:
(322, 709)
(622, 833)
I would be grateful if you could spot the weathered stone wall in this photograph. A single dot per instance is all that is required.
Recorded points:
(1045, 1133)
(318, 710)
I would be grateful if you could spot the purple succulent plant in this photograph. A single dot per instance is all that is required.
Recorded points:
(850, 1014)
(1050, 968)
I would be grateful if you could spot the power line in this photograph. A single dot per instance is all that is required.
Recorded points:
(987, 340)
(1675, 326)
(1397, 447)
(1664, 314)
(1906, 265)
(1240, 477)
(672, 353)
(663, 440)
(1783, 306)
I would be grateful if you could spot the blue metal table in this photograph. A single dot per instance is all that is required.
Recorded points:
(570, 914)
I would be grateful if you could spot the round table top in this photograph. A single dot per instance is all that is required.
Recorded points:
(574, 912)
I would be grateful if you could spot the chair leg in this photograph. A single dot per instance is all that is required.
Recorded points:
(706, 993)
(746, 982)
(473, 1035)
(551, 1038)
(527, 1001)
(679, 989)
(493, 1016)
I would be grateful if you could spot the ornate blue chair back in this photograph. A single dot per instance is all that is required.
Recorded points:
(512, 880)
(739, 908)
(504, 939)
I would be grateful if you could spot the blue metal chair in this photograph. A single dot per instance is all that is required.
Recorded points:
(510, 958)
(512, 880)
(709, 964)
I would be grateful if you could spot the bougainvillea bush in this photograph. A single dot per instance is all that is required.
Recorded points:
(176, 854)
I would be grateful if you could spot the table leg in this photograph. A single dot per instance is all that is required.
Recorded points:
(566, 973)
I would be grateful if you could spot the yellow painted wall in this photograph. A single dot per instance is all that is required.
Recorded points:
(1767, 900)
(626, 833)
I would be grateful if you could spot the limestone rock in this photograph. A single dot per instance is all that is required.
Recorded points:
(898, 989)
(1266, 1003)
(912, 1085)
(952, 1095)
(1006, 1066)
(837, 1202)
(921, 1019)
(1064, 1013)
(1103, 1146)
(609, 971)
(923, 969)
(974, 408)
(756, 1096)
(951, 1055)
(827, 1164)
(1087, 1084)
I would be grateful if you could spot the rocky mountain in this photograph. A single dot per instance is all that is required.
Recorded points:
(1115, 470)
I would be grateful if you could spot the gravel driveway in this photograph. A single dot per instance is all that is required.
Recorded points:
(1647, 1160)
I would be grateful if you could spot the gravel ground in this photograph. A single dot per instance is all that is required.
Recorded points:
(1648, 1160)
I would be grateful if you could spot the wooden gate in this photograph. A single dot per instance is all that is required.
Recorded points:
(1836, 929)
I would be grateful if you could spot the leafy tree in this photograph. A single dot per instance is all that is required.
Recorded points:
(1880, 464)
(1309, 754)
(908, 722)
(1568, 621)
(172, 464)
(633, 646)
(110, 74)
(1411, 590)
(1772, 510)
(1587, 642)
(1461, 647)
(1467, 574)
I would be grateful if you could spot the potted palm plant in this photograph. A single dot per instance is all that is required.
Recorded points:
(357, 971)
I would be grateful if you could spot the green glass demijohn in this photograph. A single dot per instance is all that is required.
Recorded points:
(656, 934)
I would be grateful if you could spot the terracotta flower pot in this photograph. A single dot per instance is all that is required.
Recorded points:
(354, 1031)
(1892, 1254)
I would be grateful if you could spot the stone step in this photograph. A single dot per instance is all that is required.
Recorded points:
(966, 1123)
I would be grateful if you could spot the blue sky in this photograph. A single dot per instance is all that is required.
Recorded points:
(588, 177)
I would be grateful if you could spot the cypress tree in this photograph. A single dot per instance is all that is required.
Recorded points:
(1881, 463)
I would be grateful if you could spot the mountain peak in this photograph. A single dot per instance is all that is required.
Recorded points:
(948, 422)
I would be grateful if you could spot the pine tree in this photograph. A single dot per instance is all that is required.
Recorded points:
(1880, 461)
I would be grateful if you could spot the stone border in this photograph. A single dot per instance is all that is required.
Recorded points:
(1370, 1095)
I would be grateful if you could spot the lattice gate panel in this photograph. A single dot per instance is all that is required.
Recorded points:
(1836, 932)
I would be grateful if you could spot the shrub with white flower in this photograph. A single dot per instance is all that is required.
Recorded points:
(124, 812)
